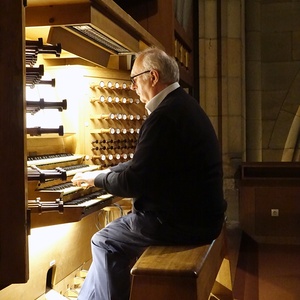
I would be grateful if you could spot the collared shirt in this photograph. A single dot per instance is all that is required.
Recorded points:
(157, 99)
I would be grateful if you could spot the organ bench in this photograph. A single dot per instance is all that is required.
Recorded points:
(183, 272)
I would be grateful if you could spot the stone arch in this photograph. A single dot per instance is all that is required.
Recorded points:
(291, 149)
(286, 128)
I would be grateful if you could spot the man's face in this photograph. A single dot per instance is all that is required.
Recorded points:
(141, 84)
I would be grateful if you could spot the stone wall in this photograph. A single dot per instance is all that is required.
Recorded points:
(250, 81)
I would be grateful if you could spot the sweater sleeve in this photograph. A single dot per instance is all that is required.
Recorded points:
(120, 167)
(148, 166)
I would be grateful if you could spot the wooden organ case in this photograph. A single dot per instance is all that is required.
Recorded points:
(90, 120)
(178, 37)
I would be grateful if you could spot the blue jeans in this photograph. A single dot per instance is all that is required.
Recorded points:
(117, 246)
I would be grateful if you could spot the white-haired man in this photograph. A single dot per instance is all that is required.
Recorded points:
(174, 178)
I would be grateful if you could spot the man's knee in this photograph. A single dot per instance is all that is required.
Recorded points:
(99, 239)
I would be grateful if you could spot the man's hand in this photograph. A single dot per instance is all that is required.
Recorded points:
(87, 177)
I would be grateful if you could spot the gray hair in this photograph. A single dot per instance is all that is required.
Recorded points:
(156, 59)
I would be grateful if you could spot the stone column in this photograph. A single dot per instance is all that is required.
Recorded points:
(253, 81)
(222, 83)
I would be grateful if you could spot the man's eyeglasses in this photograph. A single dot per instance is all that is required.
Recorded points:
(132, 77)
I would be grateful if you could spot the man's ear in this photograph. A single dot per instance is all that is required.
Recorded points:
(154, 77)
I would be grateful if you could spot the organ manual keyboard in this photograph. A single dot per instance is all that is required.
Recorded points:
(50, 190)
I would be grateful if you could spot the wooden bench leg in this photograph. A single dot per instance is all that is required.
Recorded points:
(222, 289)
(183, 272)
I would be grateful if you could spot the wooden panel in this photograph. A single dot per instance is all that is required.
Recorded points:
(63, 247)
(265, 186)
(157, 24)
(54, 2)
(247, 209)
(78, 46)
(106, 16)
(117, 31)
(158, 18)
(13, 243)
(153, 15)
(287, 201)
(162, 288)
(269, 170)
(57, 15)
(82, 14)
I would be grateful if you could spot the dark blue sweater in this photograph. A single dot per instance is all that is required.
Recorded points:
(176, 171)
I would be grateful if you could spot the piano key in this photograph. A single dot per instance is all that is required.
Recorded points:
(89, 200)
(72, 170)
(52, 159)
(65, 188)
(86, 203)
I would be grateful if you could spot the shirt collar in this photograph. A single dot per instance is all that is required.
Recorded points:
(157, 99)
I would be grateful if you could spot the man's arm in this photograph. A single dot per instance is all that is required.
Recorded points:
(89, 177)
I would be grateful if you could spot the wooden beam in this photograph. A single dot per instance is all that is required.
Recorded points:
(78, 46)
(57, 15)
(106, 17)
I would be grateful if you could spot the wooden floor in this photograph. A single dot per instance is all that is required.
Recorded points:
(279, 272)
(258, 271)
(263, 272)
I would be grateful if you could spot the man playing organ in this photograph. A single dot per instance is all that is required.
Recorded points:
(174, 178)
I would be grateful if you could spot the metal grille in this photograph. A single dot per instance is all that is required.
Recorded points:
(94, 35)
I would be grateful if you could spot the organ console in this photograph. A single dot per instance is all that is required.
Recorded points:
(52, 228)
(56, 262)
(54, 157)
(50, 179)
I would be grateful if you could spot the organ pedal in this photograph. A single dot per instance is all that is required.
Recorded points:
(83, 273)
(73, 292)
(72, 288)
